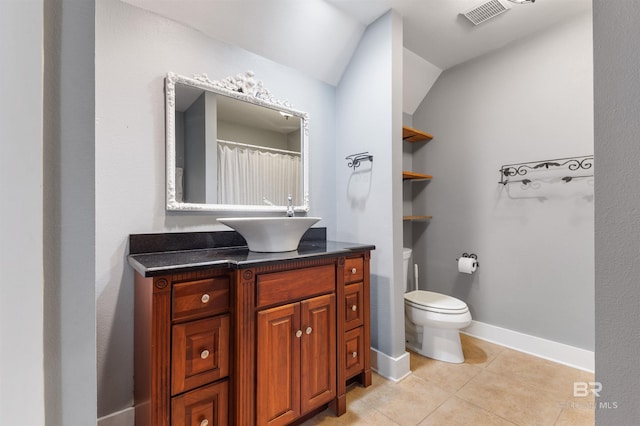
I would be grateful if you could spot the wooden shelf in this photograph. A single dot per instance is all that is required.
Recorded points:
(413, 135)
(415, 176)
(416, 218)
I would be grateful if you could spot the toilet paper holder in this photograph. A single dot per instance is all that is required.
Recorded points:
(472, 256)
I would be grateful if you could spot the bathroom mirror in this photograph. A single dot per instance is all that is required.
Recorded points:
(231, 146)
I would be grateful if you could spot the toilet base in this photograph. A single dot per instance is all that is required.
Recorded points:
(436, 343)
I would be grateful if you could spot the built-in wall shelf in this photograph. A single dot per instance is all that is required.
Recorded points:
(416, 218)
(413, 135)
(415, 176)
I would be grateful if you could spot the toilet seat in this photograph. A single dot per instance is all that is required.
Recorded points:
(435, 302)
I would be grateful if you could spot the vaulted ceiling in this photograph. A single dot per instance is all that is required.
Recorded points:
(436, 31)
(318, 37)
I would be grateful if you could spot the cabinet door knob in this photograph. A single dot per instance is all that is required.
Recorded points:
(205, 298)
(308, 330)
(353, 271)
(354, 308)
(354, 354)
(204, 422)
(204, 355)
(299, 333)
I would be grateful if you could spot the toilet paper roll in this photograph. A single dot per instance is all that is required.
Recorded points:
(467, 265)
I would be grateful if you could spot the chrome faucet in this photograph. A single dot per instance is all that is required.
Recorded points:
(290, 212)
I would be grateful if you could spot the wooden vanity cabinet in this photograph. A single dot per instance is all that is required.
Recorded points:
(357, 341)
(182, 349)
(296, 359)
(264, 345)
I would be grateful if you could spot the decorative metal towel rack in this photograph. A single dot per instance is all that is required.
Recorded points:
(354, 160)
(572, 165)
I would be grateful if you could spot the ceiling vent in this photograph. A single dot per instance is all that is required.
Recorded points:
(486, 11)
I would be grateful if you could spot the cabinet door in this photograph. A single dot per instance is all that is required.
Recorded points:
(207, 406)
(318, 352)
(354, 351)
(353, 270)
(200, 299)
(200, 353)
(278, 359)
(354, 301)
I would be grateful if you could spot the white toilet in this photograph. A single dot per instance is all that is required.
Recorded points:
(433, 321)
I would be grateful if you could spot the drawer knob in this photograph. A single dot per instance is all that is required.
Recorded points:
(353, 271)
(299, 333)
(204, 422)
(204, 355)
(205, 299)
(308, 330)
(354, 354)
(354, 308)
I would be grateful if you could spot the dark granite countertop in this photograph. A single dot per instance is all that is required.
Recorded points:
(187, 258)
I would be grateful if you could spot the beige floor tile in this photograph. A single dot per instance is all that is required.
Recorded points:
(366, 399)
(494, 386)
(416, 361)
(356, 391)
(457, 412)
(554, 379)
(511, 399)
(479, 352)
(371, 417)
(450, 377)
(576, 417)
(413, 400)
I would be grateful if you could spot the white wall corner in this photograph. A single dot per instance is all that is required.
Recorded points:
(553, 351)
(418, 76)
(394, 369)
(124, 417)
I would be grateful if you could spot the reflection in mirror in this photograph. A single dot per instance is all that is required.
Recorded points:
(231, 146)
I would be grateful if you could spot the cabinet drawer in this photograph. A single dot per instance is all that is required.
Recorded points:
(200, 353)
(198, 299)
(282, 287)
(354, 351)
(354, 301)
(353, 270)
(206, 406)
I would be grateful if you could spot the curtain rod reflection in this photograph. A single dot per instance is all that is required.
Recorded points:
(262, 148)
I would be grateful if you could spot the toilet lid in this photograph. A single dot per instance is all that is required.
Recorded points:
(436, 302)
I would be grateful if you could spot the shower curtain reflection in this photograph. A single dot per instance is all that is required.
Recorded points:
(257, 176)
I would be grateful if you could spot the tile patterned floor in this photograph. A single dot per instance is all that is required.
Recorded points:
(495, 386)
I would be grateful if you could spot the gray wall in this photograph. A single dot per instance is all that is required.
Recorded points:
(233, 132)
(532, 100)
(69, 219)
(48, 300)
(195, 148)
(21, 214)
(617, 230)
(134, 51)
(368, 199)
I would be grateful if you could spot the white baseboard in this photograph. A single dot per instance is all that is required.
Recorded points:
(124, 417)
(553, 351)
(394, 369)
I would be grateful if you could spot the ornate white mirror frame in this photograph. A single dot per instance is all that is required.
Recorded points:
(243, 87)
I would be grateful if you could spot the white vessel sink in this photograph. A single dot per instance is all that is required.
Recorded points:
(270, 234)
